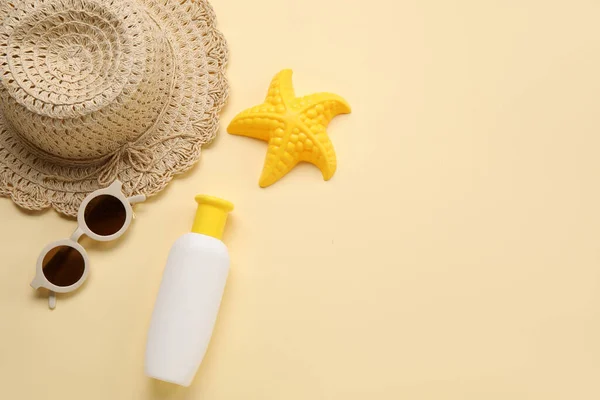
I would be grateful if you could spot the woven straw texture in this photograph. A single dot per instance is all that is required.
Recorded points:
(95, 90)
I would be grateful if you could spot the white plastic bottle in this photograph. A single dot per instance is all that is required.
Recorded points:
(189, 297)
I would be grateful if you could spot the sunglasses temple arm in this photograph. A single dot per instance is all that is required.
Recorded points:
(136, 199)
(52, 300)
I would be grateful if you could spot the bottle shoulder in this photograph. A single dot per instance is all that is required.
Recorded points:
(197, 241)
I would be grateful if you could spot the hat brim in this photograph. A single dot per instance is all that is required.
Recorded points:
(190, 120)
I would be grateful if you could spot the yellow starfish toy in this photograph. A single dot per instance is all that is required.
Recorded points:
(293, 126)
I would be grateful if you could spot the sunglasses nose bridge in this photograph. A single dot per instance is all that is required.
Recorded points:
(137, 199)
(77, 235)
(116, 185)
(37, 282)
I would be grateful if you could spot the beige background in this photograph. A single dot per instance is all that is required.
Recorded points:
(454, 255)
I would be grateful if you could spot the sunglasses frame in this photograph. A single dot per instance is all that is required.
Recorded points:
(114, 190)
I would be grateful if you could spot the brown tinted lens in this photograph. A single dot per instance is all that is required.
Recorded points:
(105, 215)
(63, 266)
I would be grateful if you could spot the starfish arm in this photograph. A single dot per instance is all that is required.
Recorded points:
(281, 92)
(255, 124)
(317, 149)
(282, 157)
(328, 105)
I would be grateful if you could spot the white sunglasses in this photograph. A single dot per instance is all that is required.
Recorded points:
(104, 215)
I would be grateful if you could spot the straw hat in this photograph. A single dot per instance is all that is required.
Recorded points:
(95, 90)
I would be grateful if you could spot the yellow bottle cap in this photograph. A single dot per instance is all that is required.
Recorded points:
(211, 216)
